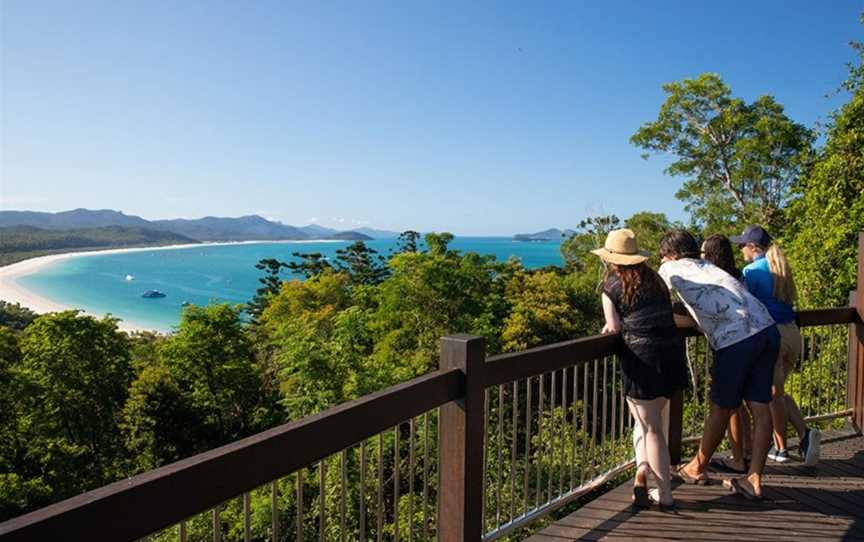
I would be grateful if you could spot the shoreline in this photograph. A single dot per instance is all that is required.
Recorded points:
(12, 291)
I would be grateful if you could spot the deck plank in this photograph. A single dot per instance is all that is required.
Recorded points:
(824, 502)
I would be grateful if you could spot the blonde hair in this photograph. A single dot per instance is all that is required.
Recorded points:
(784, 284)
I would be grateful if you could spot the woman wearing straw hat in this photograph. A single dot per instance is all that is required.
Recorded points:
(637, 304)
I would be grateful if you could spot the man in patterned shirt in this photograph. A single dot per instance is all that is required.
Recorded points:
(745, 342)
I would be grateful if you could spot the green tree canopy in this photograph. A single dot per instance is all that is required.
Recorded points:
(828, 209)
(739, 160)
(212, 361)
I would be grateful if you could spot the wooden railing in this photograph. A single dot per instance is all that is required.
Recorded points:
(474, 451)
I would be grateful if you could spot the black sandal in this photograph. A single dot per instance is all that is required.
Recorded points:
(641, 500)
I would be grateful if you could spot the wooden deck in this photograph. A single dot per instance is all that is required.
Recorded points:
(825, 502)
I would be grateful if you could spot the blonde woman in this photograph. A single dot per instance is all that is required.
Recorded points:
(769, 278)
(636, 303)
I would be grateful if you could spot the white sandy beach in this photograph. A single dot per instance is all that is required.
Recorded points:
(13, 292)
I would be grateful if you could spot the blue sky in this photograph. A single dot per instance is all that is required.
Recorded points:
(472, 117)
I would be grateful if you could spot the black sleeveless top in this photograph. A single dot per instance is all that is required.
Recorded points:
(653, 362)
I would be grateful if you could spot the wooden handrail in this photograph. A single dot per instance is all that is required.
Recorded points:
(133, 508)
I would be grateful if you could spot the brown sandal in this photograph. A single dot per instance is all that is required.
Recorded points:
(701, 480)
(740, 489)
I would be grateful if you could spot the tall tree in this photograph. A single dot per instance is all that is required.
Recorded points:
(576, 250)
(310, 264)
(738, 160)
(71, 384)
(270, 284)
(212, 361)
(438, 243)
(408, 241)
(362, 264)
(828, 210)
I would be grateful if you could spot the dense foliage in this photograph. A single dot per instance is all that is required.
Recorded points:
(20, 242)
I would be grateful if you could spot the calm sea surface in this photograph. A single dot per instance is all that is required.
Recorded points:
(201, 275)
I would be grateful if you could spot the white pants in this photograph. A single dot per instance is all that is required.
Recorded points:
(651, 423)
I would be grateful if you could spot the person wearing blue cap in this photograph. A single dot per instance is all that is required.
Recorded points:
(769, 278)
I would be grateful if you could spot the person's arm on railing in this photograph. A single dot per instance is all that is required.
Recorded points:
(613, 321)
(682, 317)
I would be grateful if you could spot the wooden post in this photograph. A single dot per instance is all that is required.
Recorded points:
(460, 489)
(855, 378)
(676, 425)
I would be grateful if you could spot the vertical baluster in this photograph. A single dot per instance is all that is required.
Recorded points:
(274, 510)
(343, 499)
(562, 431)
(575, 439)
(425, 476)
(411, 480)
(621, 400)
(820, 379)
(583, 450)
(380, 508)
(486, 442)
(217, 527)
(299, 536)
(604, 426)
(322, 500)
(397, 448)
(804, 386)
(182, 532)
(513, 434)
(594, 414)
(540, 401)
(499, 479)
(527, 445)
(362, 490)
(551, 438)
(613, 399)
(800, 376)
(247, 523)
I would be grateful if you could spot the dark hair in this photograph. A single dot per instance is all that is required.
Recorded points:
(635, 280)
(680, 243)
(718, 250)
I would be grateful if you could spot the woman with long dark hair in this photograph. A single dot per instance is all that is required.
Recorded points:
(637, 304)
(717, 249)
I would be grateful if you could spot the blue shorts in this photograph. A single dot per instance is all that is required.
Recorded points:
(745, 370)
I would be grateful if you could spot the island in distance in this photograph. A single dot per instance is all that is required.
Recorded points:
(552, 234)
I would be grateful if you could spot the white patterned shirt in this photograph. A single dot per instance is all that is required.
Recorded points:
(719, 303)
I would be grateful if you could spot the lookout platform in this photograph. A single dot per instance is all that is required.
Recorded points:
(824, 502)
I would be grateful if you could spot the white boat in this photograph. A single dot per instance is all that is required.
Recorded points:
(130, 277)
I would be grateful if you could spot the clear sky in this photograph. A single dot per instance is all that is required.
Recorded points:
(477, 118)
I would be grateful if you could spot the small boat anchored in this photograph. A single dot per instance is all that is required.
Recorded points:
(130, 277)
(153, 294)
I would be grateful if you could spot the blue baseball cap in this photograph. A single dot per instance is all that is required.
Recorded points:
(752, 234)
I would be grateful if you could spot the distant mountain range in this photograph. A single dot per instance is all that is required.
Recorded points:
(552, 234)
(210, 228)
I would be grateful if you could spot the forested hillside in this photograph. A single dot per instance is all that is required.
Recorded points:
(22, 242)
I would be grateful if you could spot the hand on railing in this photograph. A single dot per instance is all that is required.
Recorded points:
(611, 328)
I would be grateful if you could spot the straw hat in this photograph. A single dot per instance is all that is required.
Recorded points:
(621, 248)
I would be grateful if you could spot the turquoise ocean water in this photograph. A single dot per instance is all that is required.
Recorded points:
(204, 274)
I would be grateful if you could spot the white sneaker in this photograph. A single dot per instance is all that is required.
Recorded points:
(810, 448)
(779, 456)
